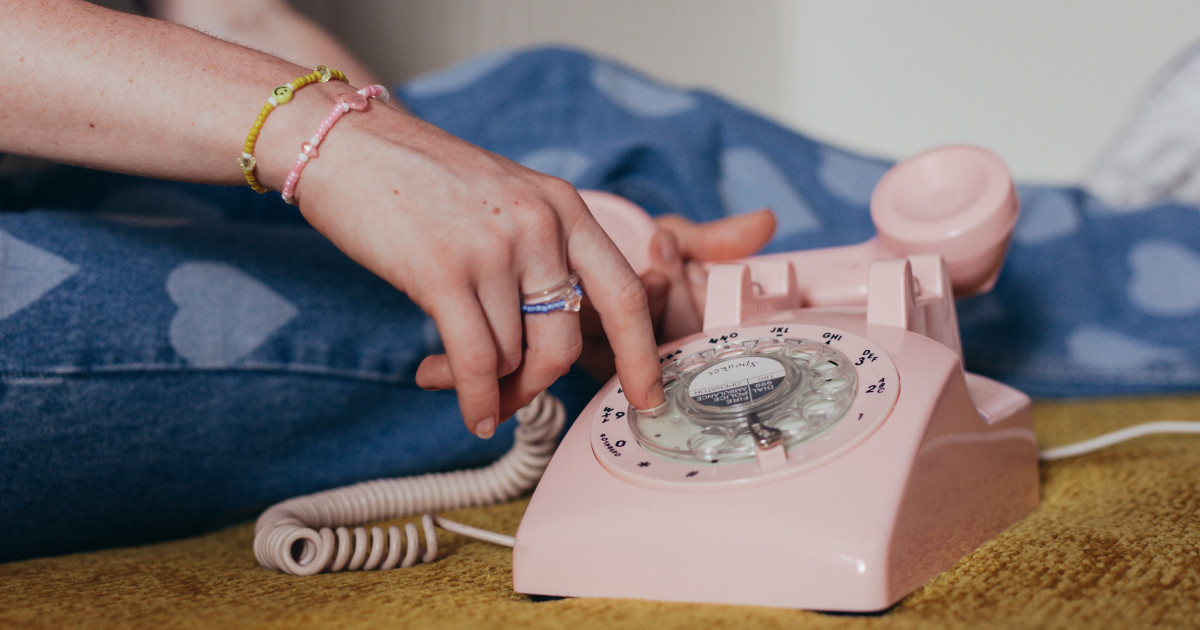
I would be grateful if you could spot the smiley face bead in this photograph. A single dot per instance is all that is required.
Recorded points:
(282, 94)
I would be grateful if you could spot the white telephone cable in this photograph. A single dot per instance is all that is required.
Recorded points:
(1121, 435)
(287, 538)
(295, 536)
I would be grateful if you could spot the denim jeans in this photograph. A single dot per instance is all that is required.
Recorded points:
(175, 357)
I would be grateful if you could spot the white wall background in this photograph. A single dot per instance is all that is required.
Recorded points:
(1044, 83)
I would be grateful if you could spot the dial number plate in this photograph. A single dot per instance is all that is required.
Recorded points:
(739, 401)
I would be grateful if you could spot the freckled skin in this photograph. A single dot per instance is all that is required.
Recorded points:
(425, 242)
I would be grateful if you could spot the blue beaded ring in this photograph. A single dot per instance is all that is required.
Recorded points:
(564, 296)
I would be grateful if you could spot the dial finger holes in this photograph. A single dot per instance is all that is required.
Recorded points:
(797, 386)
(709, 442)
(792, 422)
(748, 404)
(744, 441)
(770, 346)
(804, 353)
(820, 409)
(824, 367)
(833, 385)
(731, 352)
(691, 364)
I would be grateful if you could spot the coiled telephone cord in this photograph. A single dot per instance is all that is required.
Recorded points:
(296, 536)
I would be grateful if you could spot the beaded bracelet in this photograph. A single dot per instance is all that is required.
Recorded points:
(279, 96)
(357, 101)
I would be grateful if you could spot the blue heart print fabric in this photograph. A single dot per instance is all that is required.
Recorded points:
(175, 357)
(1095, 300)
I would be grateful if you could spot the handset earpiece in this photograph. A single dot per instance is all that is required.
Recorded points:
(958, 202)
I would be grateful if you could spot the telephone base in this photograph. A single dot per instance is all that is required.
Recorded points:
(951, 465)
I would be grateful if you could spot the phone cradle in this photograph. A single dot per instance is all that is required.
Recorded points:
(813, 452)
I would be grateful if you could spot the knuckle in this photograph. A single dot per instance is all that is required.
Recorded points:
(541, 222)
(569, 202)
(559, 188)
(428, 283)
(570, 350)
(550, 184)
(559, 358)
(476, 362)
(631, 295)
(509, 361)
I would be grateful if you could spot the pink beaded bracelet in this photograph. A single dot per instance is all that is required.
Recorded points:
(357, 101)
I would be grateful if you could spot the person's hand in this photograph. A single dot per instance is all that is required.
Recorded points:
(465, 233)
(677, 279)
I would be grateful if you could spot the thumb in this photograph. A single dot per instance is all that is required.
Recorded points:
(732, 237)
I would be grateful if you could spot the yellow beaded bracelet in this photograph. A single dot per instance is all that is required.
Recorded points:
(279, 96)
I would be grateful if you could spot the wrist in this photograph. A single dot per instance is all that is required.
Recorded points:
(288, 127)
(359, 101)
(359, 138)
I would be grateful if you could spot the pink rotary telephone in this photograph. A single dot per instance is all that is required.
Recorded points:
(821, 446)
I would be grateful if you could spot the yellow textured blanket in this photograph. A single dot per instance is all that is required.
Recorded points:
(1115, 543)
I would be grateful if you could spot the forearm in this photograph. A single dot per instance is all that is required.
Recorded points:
(462, 231)
(271, 26)
(119, 92)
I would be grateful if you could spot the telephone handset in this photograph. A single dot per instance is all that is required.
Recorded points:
(821, 446)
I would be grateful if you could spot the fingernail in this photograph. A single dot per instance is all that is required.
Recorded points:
(668, 249)
(485, 428)
(697, 276)
(658, 395)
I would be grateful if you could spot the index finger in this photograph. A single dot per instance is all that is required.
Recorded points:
(619, 298)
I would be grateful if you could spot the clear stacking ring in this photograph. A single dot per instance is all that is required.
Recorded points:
(564, 296)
